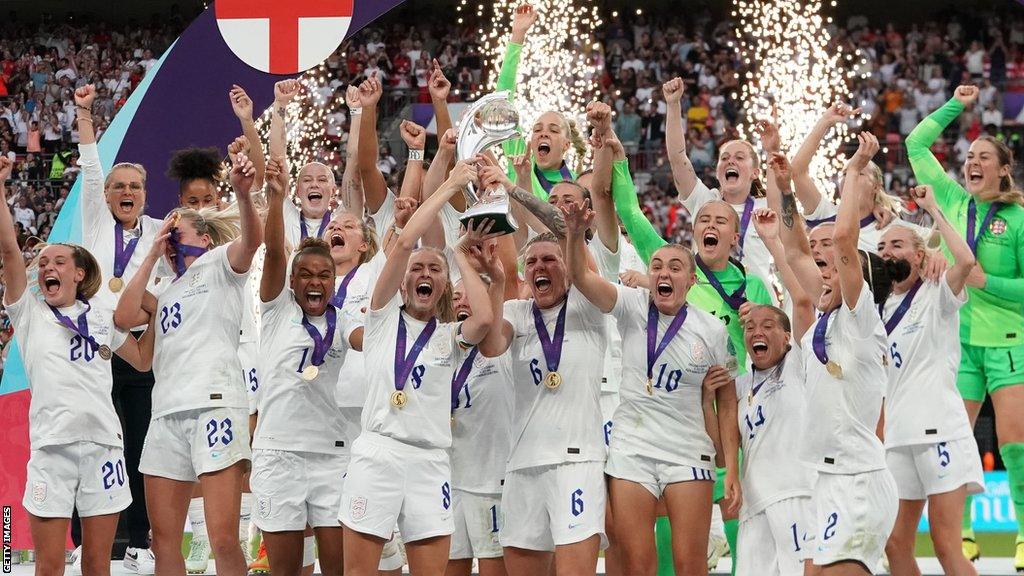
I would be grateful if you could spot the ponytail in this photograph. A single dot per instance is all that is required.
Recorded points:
(578, 144)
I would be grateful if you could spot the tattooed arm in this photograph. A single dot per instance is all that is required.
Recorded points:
(548, 215)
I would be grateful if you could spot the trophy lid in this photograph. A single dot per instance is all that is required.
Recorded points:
(497, 116)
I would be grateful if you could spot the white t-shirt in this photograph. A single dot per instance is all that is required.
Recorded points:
(98, 226)
(756, 258)
(870, 235)
(425, 420)
(351, 390)
(384, 217)
(70, 382)
(198, 322)
(609, 265)
(674, 411)
(296, 414)
(561, 425)
(840, 439)
(772, 423)
(482, 430)
(293, 224)
(922, 404)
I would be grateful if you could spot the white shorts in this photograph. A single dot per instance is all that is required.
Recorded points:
(654, 475)
(183, 445)
(292, 489)
(853, 516)
(922, 470)
(777, 540)
(391, 482)
(478, 519)
(548, 506)
(609, 402)
(86, 475)
(248, 355)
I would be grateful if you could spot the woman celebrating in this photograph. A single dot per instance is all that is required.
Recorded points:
(200, 411)
(77, 459)
(854, 497)
(399, 470)
(989, 213)
(930, 448)
(661, 393)
(299, 447)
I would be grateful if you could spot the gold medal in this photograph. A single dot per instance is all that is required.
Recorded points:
(453, 421)
(650, 387)
(105, 352)
(398, 399)
(310, 373)
(115, 284)
(553, 380)
(834, 369)
(750, 398)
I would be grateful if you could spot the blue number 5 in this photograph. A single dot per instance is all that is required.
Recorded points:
(943, 454)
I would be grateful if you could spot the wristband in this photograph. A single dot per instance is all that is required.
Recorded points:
(416, 155)
(396, 229)
(355, 111)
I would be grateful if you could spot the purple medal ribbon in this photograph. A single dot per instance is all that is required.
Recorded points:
(82, 329)
(181, 251)
(321, 344)
(339, 296)
(748, 209)
(869, 219)
(546, 184)
(122, 253)
(403, 363)
(901, 310)
(323, 225)
(972, 215)
(654, 351)
(818, 341)
(734, 300)
(552, 346)
(459, 378)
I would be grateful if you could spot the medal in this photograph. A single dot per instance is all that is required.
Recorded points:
(338, 300)
(834, 369)
(105, 352)
(818, 345)
(398, 399)
(122, 255)
(321, 344)
(734, 300)
(82, 329)
(553, 380)
(748, 209)
(732, 366)
(404, 364)
(551, 346)
(655, 348)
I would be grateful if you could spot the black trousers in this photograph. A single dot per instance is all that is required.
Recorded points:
(132, 395)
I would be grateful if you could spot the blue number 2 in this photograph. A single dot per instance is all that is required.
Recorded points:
(170, 317)
(830, 526)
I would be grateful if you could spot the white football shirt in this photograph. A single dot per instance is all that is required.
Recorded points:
(870, 235)
(351, 391)
(482, 429)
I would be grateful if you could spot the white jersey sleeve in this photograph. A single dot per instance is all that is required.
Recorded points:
(198, 322)
(609, 266)
(384, 217)
(351, 392)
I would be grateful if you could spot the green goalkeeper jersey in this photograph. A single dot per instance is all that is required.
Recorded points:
(993, 316)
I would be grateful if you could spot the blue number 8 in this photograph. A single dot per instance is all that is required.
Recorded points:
(417, 376)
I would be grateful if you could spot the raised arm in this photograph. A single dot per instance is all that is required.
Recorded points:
(390, 279)
(792, 233)
(683, 174)
(415, 137)
(351, 184)
(963, 258)
(131, 311)
(284, 92)
(927, 168)
(94, 202)
(275, 262)
(15, 278)
(766, 222)
(241, 250)
(594, 288)
(524, 17)
(645, 238)
(806, 190)
(241, 105)
(375, 189)
(847, 232)
(547, 215)
(599, 115)
(470, 245)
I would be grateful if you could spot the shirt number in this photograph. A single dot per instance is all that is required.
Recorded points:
(897, 360)
(753, 425)
(81, 350)
(671, 382)
(113, 474)
(170, 317)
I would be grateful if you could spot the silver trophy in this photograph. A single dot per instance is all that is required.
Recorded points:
(489, 121)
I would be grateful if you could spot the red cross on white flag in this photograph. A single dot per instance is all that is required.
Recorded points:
(283, 36)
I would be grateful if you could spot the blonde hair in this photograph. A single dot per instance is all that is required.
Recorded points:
(137, 167)
(222, 226)
(372, 242)
(445, 308)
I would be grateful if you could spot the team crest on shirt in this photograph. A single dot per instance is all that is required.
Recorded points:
(39, 492)
(697, 350)
(357, 508)
(997, 226)
(442, 347)
(193, 280)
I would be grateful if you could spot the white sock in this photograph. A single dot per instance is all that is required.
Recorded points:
(197, 516)
(717, 527)
(308, 551)
(245, 517)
